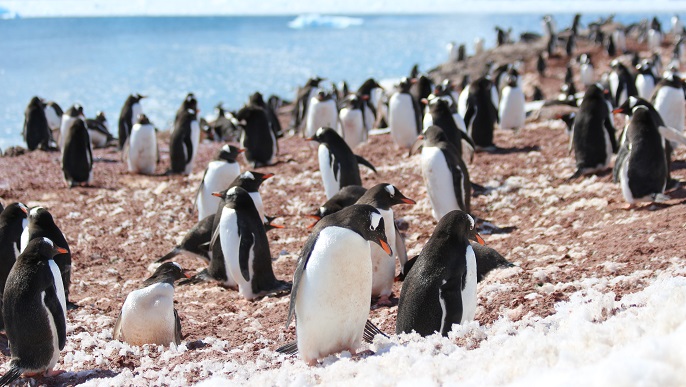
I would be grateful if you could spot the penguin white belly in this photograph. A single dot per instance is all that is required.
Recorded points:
(23, 240)
(142, 149)
(331, 182)
(54, 120)
(383, 265)
(321, 114)
(334, 295)
(462, 101)
(624, 180)
(645, 86)
(469, 291)
(218, 177)
(136, 110)
(195, 140)
(98, 139)
(353, 129)
(401, 120)
(669, 102)
(230, 241)
(511, 110)
(67, 122)
(586, 74)
(439, 182)
(55, 338)
(427, 122)
(654, 39)
(147, 316)
(257, 199)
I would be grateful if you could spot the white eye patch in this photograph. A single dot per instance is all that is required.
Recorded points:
(471, 222)
(390, 189)
(375, 219)
(249, 175)
(48, 241)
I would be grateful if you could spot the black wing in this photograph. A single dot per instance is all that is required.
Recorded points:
(417, 113)
(450, 298)
(189, 147)
(363, 161)
(55, 308)
(247, 240)
(621, 156)
(461, 182)
(177, 330)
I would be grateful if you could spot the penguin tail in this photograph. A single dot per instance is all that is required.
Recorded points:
(13, 374)
(289, 348)
(176, 251)
(576, 175)
(370, 331)
(202, 276)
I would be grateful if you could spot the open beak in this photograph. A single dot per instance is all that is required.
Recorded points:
(61, 250)
(217, 194)
(479, 239)
(385, 247)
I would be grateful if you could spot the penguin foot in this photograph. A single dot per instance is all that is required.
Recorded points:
(383, 301)
(52, 373)
(71, 306)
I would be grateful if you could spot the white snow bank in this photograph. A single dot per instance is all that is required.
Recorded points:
(324, 21)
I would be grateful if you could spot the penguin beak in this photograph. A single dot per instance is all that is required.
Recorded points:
(24, 209)
(61, 250)
(618, 111)
(241, 150)
(310, 139)
(217, 194)
(408, 201)
(267, 176)
(276, 225)
(417, 144)
(185, 273)
(479, 239)
(385, 247)
(316, 218)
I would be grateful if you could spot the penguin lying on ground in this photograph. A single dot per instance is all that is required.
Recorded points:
(440, 290)
(332, 283)
(148, 315)
(35, 312)
(13, 219)
(99, 131)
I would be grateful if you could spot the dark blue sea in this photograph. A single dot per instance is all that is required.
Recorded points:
(98, 62)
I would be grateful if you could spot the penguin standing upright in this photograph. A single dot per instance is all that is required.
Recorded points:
(77, 156)
(337, 162)
(41, 224)
(35, 312)
(73, 114)
(645, 80)
(12, 223)
(453, 126)
(440, 290)
(445, 174)
(668, 99)
(127, 117)
(188, 103)
(622, 84)
(352, 121)
(302, 102)
(540, 65)
(586, 70)
(257, 100)
(220, 173)
(53, 113)
(593, 133)
(36, 130)
(643, 173)
(99, 131)
(184, 141)
(143, 154)
(655, 35)
(257, 137)
(148, 315)
(332, 284)
(481, 112)
(245, 247)
(404, 115)
(373, 101)
(382, 197)
(321, 112)
(512, 111)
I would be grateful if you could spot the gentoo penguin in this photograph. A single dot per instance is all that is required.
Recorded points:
(220, 127)
(257, 138)
(655, 35)
(352, 120)
(593, 133)
(321, 112)
(127, 117)
(421, 87)
(347, 196)
(53, 113)
(445, 174)
(677, 25)
(41, 224)
(12, 222)
(373, 96)
(643, 173)
(77, 156)
(183, 143)
(500, 75)
(540, 65)
(478, 45)
(257, 100)
(440, 290)
(404, 115)
(511, 111)
(383, 197)
(337, 162)
(190, 102)
(99, 130)
(586, 71)
(36, 130)
(34, 309)
(73, 114)
(668, 99)
(453, 126)
(196, 241)
(622, 84)
(332, 284)
(302, 102)
(619, 38)
(569, 74)
(220, 173)
(481, 112)
(245, 247)
(143, 153)
(645, 80)
(148, 315)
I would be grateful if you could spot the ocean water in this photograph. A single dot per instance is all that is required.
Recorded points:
(98, 62)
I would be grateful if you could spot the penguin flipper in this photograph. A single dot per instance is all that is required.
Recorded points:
(363, 161)
(400, 248)
(116, 332)
(450, 299)
(370, 331)
(621, 156)
(52, 302)
(175, 251)
(199, 190)
(245, 246)
(610, 127)
(11, 375)
(289, 348)
(297, 276)
(177, 328)
(672, 134)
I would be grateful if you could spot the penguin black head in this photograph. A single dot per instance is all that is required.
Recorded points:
(511, 81)
(595, 90)
(439, 105)
(434, 135)
(459, 224)
(642, 123)
(257, 99)
(137, 97)
(347, 196)
(228, 153)
(168, 272)
(237, 197)
(41, 216)
(325, 136)
(100, 116)
(367, 86)
(14, 211)
(363, 219)
(143, 119)
(404, 85)
(75, 110)
(314, 82)
(248, 180)
(352, 102)
(37, 102)
(628, 106)
(190, 102)
(324, 95)
(384, 196)
(41, 249)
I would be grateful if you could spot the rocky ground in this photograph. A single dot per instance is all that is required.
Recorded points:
(564, 236)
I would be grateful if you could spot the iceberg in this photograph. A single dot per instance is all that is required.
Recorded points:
(324, 21)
